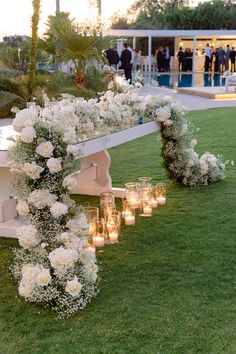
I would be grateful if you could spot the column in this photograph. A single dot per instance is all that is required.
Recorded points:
(149, 53)
(134, 43)
(194, 52)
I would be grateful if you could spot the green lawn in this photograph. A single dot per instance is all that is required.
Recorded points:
(168, 287)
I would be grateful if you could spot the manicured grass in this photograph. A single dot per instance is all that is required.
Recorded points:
(168, 287)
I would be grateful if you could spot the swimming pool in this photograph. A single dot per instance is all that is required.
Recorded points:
(189, 80)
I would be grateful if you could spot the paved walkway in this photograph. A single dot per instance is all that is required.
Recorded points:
(189, 101)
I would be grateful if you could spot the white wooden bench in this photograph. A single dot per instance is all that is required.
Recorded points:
(94, 175)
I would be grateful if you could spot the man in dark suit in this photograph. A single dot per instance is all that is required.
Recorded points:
(126, 58)
(112, 57)
(232, 57)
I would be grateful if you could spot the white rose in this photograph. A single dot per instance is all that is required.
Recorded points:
(22, 208)
(32, 170)
(41, 198)
(69, 182)
(193, 142)
(69, 240)
(62, 259)
(54, 165)
(58, 209)
(28, 134)
(45, 149)
(69, 136)
(28, 237)
(24, 118)
(43, 278)
(73, 287)
(78, 225)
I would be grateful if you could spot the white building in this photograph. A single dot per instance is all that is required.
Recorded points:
(193, 3)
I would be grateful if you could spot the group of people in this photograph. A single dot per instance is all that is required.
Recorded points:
(129, 60)
(216, 59)
(219, 59)
(185, 59)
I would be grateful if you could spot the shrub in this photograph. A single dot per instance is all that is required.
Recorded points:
(95, 79)
(7, 101)
(10, 73)
(10, 86)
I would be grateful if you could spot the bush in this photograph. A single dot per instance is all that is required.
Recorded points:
(10, 73)
(7, 101)
(96, 80)
(10, 86)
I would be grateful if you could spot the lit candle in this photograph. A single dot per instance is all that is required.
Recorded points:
(129, 220)
(147, 210)
(154, 203)
(98, 241)
(161, 200)
(92, 229)
(113, 236)
(134, 202)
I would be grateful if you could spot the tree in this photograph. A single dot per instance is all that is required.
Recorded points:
(34, 41)
(64, 37)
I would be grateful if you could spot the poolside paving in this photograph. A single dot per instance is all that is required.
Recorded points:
(189, 101)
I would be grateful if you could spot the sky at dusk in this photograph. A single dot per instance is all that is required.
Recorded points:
(15, 15)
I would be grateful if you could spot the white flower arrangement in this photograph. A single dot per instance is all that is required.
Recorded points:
(54, 265)
(48, 266)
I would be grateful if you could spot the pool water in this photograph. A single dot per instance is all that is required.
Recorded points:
(189, 80)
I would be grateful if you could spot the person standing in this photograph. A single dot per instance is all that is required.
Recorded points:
(207, 57)
(232, 57)
(227, 55)
(112, 57)
(126, 58)
(160, 59)
(180, 57)
(167, 59)
(221, 59)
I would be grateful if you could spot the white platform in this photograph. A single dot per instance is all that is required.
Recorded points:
(93, 177)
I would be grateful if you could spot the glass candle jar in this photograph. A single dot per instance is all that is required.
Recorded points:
(92, 214)
(107, 198)
(132, 194)
(113, 224)
(145, 181)
(145, 193)
(99, 234)
(146, 208)
(160, 193)
(129, 214)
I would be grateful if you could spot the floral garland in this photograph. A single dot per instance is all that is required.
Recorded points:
(180, 159)
(55, 265)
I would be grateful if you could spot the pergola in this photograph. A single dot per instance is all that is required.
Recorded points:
(178, 35)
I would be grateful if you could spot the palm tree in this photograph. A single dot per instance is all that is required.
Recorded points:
(75, 46)
(57, 6)
(99, 6)
(34, 41)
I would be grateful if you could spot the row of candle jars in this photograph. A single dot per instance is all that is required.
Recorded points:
(104, 228)
(140, 197)
(144, 196)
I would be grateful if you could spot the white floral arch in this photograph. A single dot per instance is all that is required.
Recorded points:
(55, 266)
